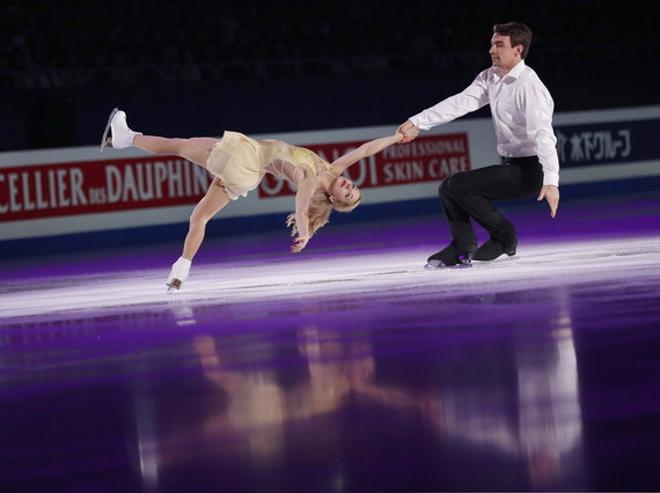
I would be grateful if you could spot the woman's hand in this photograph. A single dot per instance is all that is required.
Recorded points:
(298, 244)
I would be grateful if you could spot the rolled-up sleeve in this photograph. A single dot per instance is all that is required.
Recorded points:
(470, 99)
(538, 107)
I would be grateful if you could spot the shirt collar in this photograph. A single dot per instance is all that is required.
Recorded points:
(514, 73)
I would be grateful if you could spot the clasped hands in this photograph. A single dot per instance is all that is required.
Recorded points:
(409, 131)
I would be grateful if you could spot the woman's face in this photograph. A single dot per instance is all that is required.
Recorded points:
(344, 190)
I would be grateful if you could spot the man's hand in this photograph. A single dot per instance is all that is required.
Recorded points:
(298, 244)
(551, 194)
(409, 131)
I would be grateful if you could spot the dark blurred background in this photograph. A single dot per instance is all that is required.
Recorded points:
(196, 68)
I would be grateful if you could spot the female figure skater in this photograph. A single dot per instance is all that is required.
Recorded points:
(238, 164)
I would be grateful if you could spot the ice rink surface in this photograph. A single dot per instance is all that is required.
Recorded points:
(380, 277)
(347, 368)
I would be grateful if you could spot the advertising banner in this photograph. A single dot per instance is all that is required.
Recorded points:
(607, 143)
(64, 189)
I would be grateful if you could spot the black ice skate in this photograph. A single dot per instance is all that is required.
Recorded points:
(494, 247)
(450, 257)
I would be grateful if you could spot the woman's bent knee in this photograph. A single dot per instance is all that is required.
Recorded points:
(198, 221)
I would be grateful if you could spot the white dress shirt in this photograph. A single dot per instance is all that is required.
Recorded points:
(522, 114)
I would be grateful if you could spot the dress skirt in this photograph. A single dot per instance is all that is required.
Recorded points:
(235, 160)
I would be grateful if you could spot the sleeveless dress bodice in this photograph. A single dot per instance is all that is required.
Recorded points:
(240, 163)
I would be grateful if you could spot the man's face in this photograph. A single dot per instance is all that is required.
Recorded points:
(502, 54)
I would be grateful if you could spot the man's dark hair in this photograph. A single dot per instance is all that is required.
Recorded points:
(519, 34)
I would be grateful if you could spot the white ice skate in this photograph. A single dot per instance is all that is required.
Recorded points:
(178, 274)
(121, 136)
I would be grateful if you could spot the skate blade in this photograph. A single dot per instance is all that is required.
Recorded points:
(437, 264)
(106, 140)
(174, 285)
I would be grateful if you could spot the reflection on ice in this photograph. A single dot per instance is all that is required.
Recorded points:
(255, 411)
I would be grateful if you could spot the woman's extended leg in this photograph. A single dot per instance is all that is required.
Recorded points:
(212, 203)
(214, 200)
(196, 150)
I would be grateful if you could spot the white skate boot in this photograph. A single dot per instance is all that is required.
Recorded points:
(121, 136)
(178, 274)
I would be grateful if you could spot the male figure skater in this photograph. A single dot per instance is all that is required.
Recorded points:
(522, 109)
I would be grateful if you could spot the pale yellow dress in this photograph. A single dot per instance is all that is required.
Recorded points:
(241, 162)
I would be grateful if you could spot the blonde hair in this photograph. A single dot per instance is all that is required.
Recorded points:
(319, 211)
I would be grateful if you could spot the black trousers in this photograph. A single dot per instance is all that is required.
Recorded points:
(468, 195)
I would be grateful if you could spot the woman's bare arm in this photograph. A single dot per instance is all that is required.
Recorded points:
(303, 199)
(365, 150)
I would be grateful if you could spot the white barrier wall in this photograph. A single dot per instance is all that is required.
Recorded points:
(60, 191)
